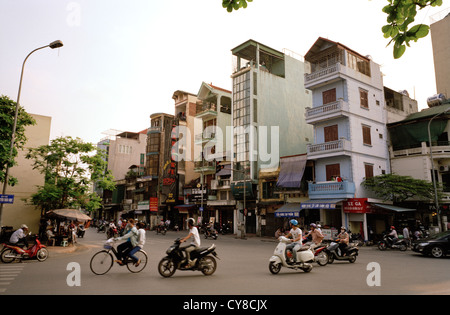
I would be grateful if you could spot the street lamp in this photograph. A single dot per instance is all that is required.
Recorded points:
(52, 45)
(436, 200)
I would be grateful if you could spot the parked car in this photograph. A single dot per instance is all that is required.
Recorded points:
(437, 245)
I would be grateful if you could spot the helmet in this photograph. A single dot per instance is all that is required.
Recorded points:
(23, 226)
(343, 228)
(392, 227)
(191, 221)
(293, 222)
(313, 225)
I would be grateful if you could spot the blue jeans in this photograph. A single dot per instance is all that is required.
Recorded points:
(134, 251)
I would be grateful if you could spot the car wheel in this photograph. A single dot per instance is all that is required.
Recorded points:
(437, 252)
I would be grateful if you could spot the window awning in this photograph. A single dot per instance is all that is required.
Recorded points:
(289, 210)
(291, 171)
(321, 203)
(226, 170)
(393, 208)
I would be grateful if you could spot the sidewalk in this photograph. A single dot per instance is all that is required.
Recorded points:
(58, 250)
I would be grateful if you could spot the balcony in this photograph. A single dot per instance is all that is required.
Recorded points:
(323, 76)
(205, 167)
(331, 189)
(327, 111)
(200, 138)
(328, 149)
(208, 111)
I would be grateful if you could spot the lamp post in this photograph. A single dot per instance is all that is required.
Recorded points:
(52, 45)
(436, 200)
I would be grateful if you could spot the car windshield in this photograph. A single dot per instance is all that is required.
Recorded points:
(440, 235)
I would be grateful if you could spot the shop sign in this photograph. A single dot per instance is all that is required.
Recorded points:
(356, 205)
(154, 204)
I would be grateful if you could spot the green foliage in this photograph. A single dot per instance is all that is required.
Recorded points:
(398, 188)
(70, 167)
(231, 5)
(401, 13)
(7, 112)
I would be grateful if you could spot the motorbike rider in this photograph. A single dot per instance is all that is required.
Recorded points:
(19, 237)
(296, 234)
(316, 235)
(343, 240)
(193, 232)
(393, 236)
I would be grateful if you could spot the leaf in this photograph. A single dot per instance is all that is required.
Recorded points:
(399, 51)
(419, 31)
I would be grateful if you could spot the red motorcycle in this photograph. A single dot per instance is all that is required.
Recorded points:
(11, 252)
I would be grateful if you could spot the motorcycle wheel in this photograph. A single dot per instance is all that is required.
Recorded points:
(331, 258)
(42, 254)
(352, 259)
(322, 258)
(166, 267)
(382, 246)
(207, 265)
(274, 267)
(308, 268)
(403, 247)
(7, 252)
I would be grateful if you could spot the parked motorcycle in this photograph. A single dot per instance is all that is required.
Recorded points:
(334, 252)
(304, 257)
(226, 229)
(388, 242)
(11, 252)
(176, 259)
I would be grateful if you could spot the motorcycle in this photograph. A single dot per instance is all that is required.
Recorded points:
(112, 232)
(304, 257)
(211, 233)
(11, 252)
(320, 255)
(388, 242)
(226, 229)
(81, 230)
(101, 228)
(334, 252)
(175, 259)
(161, 229)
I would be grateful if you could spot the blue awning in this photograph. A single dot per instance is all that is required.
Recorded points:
(289, 210)
(320, 203)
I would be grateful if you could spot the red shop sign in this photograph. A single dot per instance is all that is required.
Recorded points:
(356, 205)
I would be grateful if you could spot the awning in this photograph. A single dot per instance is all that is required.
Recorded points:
(226, 170)
(393, 208)
(291, 171)
(289, 210)
(184, 208)
(320, 203)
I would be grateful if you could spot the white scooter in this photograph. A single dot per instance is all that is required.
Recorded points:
(304, 257)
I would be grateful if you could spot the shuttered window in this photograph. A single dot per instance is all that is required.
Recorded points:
(331, 133)
(329, 96)
(364, 98)
(366, 135)
(333, 171)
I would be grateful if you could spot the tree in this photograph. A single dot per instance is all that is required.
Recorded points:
(70, 167)
(401, 13)
(7, 113)
(399, 188)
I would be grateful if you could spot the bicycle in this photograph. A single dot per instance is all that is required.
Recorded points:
(103, 260)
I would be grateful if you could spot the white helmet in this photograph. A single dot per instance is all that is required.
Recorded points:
(23, 226)
(191, 221)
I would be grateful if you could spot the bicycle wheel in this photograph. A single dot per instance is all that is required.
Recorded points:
(132, 266)
(101, 262)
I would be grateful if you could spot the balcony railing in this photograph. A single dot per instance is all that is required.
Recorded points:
(331, 189)
(204, 166)
(329, 147)
(327, 110)
(316, 75)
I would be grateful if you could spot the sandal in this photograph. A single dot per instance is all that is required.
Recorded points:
(137, 263)
(119, 262)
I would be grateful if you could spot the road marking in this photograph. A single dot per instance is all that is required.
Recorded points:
(8, 274)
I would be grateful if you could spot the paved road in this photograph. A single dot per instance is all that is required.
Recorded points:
(242, 270)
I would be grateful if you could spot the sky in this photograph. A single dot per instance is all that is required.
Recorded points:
(123, 60)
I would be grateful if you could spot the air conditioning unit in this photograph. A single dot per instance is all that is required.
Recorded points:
(444, 168)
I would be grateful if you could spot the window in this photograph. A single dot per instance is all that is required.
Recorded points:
(366, 135)
(369, 170)
(268, 189)
(329, 96)
(364, 98)
(331, 133)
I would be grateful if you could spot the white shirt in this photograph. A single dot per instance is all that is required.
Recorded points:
(296, 233)
(141, 238)
(16, 236)
(196, 236)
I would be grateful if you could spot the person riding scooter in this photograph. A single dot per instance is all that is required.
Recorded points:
(296, 234)
(193, 232)
(343, 240)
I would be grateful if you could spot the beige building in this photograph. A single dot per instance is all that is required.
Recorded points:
(20, 212)
(440, 34)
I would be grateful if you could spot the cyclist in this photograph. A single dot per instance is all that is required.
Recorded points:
(131, 236)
